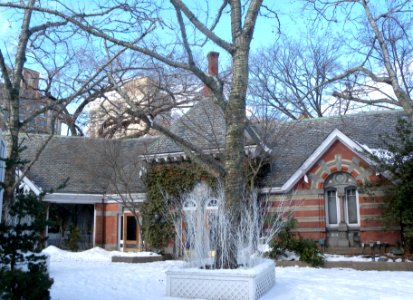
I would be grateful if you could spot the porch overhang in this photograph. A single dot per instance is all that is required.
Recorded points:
(77, 198)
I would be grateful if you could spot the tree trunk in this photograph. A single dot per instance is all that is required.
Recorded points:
(12, 93)
(234, 181)
(12, 153)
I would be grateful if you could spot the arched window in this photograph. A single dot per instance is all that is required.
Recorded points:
(189, 204)
(212, 204)
(341, 200)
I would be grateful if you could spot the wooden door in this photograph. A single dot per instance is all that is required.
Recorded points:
(130, 233)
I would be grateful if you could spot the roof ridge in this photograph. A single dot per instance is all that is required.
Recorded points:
(346, 116)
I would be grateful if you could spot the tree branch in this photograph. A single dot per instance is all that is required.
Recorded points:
(201, 27)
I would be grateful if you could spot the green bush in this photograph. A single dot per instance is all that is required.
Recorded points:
(309, 252)
(73, 238)
(305, 248)
(397, 162)
(18, 284)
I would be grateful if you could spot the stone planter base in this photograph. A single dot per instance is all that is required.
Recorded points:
(239, 284)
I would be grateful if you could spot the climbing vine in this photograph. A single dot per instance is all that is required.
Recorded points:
(165, 183)
(168, 182)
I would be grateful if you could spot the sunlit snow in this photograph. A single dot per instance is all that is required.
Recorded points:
(91, 275)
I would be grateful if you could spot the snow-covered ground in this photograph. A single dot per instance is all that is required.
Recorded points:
(91, 275)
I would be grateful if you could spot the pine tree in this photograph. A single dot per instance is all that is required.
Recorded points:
(23, 269)
(398, 163)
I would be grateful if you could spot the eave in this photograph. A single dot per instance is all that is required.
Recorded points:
(182, 156)
(78, 198)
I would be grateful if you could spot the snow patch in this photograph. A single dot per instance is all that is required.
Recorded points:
(89, 279)
(94, 254)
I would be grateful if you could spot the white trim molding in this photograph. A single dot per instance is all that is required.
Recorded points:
(182, 156)
(72, 198)
(26, 184)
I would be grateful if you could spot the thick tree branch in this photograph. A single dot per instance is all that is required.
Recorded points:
(347, 96)
(201, 27)
(251, 17)
(207, 161)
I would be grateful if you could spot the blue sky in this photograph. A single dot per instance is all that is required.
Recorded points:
(294, 23)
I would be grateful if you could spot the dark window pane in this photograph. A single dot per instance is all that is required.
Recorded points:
(131, 228)
(352, 206)
(332, 207)
(121, 227)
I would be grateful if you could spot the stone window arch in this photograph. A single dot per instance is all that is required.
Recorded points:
(189, 205)
(212, 203)
(341, 200)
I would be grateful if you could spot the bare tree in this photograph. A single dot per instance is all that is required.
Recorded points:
(120, 175)
(293, 78)
(240, 19)
(380, 72)
(151, 88)
(66, 77)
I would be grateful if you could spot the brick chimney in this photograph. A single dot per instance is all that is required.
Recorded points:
(212, 70)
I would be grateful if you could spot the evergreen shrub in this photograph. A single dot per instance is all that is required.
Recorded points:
(23, 270)
(286, 241)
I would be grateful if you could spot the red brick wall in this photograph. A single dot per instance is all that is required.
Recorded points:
(308, 197)
(106, 231)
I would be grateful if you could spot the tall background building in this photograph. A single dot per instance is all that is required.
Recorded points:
(110, 116)
(31, 102)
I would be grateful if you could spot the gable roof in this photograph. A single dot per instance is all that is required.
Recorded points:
(299, 143)
(335, 135)
(203, 126)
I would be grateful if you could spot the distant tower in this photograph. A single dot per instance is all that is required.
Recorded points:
(31, 101)
(109, 116)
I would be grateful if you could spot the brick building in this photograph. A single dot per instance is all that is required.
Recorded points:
(109, 116)
(319, 164)
(31, 101)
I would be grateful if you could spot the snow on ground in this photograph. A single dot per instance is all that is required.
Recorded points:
(94, 254)
(90, 275)
(359, 258)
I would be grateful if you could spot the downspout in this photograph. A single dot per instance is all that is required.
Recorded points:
(103, 222)
(94, 225)
(47, 224)
(120, 225)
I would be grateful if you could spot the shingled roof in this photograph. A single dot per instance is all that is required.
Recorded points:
(85, 162)
(203, 126)
(296, 141)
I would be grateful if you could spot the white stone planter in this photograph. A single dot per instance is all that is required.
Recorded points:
(236, 284)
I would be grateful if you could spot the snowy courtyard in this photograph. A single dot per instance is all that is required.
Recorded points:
(91, 275)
